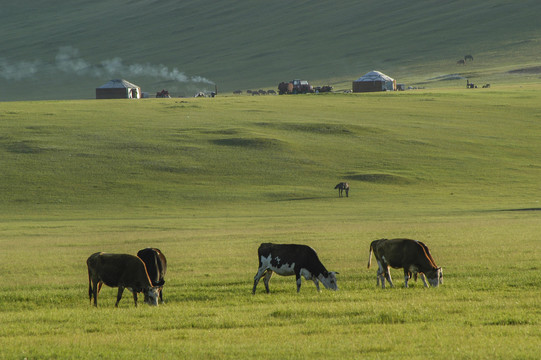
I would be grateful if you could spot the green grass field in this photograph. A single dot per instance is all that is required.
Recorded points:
(208, 180)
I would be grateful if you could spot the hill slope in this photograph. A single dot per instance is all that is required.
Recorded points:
(415, 149)
(67, 49)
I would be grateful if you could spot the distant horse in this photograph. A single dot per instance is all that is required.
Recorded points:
(343, 186)
(468, 57)
(461, 62)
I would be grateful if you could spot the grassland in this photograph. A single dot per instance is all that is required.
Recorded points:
(207, 180)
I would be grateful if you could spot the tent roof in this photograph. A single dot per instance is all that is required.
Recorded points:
(118, 84)
(374, 76)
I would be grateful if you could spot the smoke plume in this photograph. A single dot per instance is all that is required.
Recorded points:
(69, 61)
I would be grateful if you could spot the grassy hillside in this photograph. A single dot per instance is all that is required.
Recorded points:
(66, 49)
(469, 144)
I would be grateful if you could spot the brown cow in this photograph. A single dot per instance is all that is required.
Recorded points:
(411, 255)
(122, 271)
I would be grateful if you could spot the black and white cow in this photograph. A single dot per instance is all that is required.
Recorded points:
(411, 255)
(156, 264)
(292, 259)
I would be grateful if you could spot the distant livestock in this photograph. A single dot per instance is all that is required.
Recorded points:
(292, 259)
(343, 186)
(411, 255)
(461, 62)
(156, 265)
(122, 271)
(468, 57)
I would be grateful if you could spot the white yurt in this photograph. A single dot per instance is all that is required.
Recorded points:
(118, 89)
(374, 81)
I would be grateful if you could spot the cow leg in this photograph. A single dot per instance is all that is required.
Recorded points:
(298, 276)
(257, 277)
(90, 290)
(135, 297)
(95, 293)
(424, 279)
(407, 276)
(161, 295)
(266, 280)
(388, 277)
(381, 275)
(119, 295)
(317, 284)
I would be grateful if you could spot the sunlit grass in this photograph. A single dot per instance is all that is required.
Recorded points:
(208, 181)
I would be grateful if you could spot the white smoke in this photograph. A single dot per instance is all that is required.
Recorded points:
(18, 71)
(69, 61)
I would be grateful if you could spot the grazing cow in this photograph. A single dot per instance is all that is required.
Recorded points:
(411, 255)
(468, 57)
(291, 259)
(156, 264)
(461, 62)
(343, 186)
(122, 271)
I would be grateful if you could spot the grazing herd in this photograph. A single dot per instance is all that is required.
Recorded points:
(145, 272)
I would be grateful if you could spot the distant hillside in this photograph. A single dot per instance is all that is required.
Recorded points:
(65, 49)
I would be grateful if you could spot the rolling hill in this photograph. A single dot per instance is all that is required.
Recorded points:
(67, 49)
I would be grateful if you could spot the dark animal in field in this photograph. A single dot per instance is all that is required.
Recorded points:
(156, 265)
(411, 255)
(292, 259)
(486, 86)
(343, 186)
(237, 92)
(283, 88)
(163, 94)
(461, 62)
(122, 271)
(271, 92)
(468, 57)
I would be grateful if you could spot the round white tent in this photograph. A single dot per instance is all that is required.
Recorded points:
(374, 81)
(118, 89)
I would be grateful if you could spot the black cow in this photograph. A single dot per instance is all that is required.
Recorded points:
(343, 186)
(291, 259)
(411, 255)
(156, 265)
(122, 271)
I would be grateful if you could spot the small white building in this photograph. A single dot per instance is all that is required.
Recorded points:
(374, 81)
(118, 89)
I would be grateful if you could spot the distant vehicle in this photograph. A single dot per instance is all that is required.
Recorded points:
(295, 87)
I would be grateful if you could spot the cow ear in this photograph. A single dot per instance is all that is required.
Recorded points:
(335, 272)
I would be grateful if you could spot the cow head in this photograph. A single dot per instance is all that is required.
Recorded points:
(151, 295)
(435, 277)
(329, 280)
